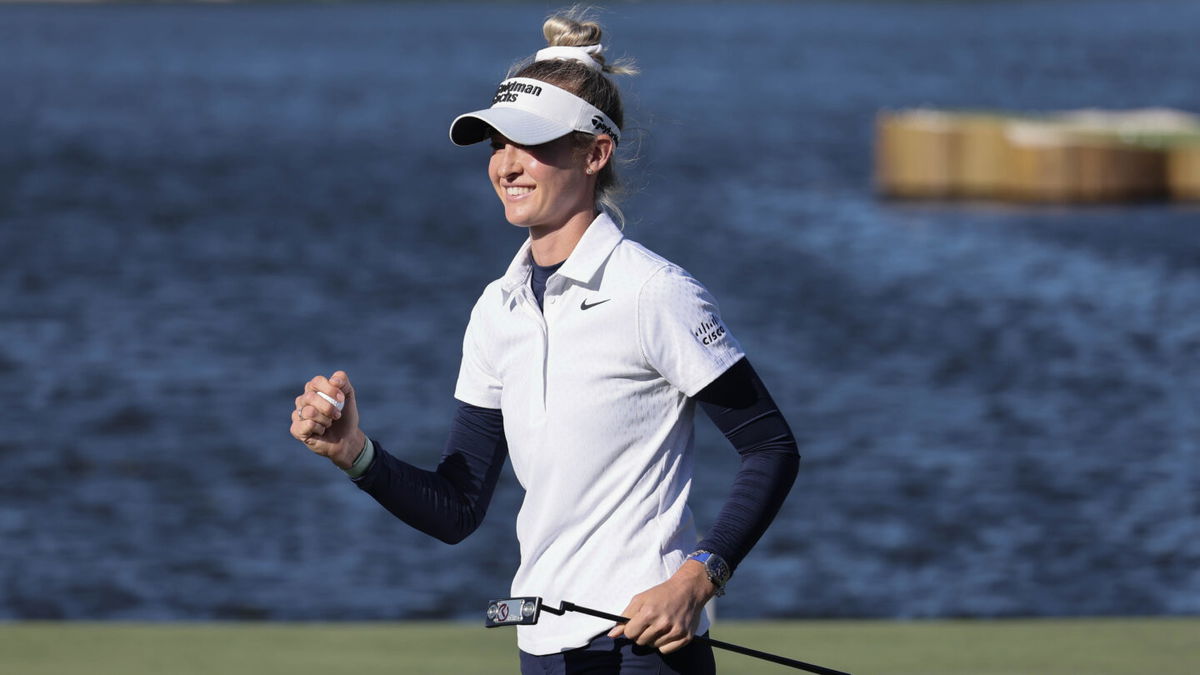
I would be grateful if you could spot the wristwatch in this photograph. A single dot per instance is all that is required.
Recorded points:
(718, 570)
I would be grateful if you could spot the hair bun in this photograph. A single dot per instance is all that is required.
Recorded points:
(571, 29)
(576, 27)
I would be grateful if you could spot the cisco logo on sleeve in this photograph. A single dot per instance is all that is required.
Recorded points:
(710, 331)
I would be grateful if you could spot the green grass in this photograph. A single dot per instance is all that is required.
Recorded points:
(1007, 647)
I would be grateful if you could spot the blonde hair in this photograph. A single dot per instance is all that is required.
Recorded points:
(576, 27)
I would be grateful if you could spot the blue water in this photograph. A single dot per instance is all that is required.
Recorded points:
(203, 206)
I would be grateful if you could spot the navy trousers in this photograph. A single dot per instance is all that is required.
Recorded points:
(606, 656)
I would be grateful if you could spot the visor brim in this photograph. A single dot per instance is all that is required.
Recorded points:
(519, 126)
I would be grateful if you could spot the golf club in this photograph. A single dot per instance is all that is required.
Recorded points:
(526, 611)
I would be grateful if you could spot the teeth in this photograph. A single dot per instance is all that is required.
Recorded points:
(518, 191)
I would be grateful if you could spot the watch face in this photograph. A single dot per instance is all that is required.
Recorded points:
(715, 565)
(717, 568)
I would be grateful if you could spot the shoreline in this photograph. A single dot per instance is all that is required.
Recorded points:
(1099, 646)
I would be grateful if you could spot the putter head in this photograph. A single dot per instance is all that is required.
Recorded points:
(513, 612)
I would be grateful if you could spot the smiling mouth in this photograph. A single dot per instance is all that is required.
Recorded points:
(517, 191)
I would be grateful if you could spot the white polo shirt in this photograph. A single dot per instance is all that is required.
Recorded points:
(594, 391)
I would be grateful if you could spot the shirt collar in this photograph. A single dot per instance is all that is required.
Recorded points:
(582, 266)
(518, 270)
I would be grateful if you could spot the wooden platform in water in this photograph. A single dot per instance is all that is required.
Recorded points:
(1082, 156)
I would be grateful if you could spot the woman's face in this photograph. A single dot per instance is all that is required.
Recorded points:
(541, 185)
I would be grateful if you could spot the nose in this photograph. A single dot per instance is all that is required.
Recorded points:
(508, 161)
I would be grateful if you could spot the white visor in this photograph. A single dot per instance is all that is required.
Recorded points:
(532, 112)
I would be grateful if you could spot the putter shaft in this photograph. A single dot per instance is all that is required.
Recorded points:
(766, 656)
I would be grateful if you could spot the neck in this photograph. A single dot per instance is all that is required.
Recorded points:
(552, 244)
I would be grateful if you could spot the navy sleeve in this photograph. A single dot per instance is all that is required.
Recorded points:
(451, 501)
(742, 408)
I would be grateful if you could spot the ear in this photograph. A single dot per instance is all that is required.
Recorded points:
(600, 153)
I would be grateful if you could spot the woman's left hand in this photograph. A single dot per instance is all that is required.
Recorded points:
(665, 617)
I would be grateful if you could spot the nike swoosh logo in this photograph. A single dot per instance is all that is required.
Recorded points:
(585, 305)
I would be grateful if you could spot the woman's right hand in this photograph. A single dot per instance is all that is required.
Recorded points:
(320, 426)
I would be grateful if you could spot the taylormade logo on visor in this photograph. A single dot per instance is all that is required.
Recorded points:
(599, 124)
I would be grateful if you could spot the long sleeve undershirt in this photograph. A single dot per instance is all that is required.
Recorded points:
(451, 501)
(742, 408)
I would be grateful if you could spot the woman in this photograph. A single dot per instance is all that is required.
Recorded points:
(584, 362)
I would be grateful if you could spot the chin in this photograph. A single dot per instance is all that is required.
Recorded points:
(517, 219)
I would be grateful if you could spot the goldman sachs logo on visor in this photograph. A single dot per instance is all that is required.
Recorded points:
(508, 91)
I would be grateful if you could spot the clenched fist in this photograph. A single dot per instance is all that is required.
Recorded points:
(318, 424)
